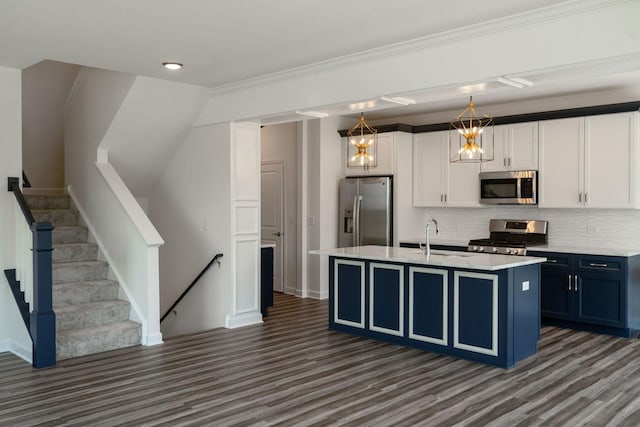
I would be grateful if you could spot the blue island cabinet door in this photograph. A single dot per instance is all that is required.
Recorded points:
(475, 312)
(386, 298)
(429, 305)
(349, 293)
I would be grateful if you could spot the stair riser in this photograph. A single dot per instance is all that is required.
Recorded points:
(62, 217)
(48, 202)
(84, 292)
(69, 235)
(83, 343)
(77, 252)
(63, 273)
(83, 318)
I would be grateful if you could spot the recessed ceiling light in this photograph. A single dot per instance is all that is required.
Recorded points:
(172, 65)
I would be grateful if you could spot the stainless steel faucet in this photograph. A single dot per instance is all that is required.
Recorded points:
(427, 249)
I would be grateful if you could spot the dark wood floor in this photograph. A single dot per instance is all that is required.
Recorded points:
(292, 371)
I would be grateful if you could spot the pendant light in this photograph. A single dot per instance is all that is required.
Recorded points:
(471, 136)
(362, 137)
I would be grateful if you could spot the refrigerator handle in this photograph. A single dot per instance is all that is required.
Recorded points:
(357, 201)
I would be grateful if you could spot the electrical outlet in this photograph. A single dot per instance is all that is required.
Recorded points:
(525, 286)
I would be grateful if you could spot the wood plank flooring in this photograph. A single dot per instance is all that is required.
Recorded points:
(292, 371)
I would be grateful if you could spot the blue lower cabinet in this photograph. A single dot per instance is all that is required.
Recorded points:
(348, 293)
(386, 298)
(591, 292)
(429, 305)
(487, 317)
(475, 312)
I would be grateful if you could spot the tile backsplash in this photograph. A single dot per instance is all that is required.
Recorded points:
(598, 228)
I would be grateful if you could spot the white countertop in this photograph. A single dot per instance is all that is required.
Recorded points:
(454, 259)
(624, 252)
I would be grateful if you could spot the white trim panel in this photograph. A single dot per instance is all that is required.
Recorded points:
(445, 305)
(372, 326)
(336, 319)
(493, 351)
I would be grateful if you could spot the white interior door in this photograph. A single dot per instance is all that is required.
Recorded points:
(272, 216)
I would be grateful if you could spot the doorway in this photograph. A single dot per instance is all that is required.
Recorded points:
(272, 229)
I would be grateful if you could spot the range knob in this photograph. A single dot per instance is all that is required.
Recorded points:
(481, 249)
(508, 251)
(474, 248)
(494, 250)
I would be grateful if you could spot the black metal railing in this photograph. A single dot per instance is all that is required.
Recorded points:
(41, 320)
(193, 283)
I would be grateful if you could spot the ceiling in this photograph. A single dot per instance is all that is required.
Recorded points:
(221, 42)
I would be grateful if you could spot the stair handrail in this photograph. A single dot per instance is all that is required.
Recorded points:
(42, 320)
(215, 259)
(14, 186)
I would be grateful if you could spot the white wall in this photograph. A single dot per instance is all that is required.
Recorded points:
(280, 143)
(325, 169)
(153, 119)
(190, 208)
(45, 88)
(13, 334)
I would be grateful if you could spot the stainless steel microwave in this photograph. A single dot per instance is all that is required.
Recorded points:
(509, 188)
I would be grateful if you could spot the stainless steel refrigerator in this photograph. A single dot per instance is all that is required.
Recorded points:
(366, 206)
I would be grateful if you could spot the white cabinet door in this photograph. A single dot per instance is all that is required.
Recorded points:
(500, 150)
(385, 157)
(523, 146)
(464, 185)
(515, 148)
(430, 163)
(561, 163)
(610, 159)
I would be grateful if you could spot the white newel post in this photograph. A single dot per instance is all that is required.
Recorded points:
(245, 225)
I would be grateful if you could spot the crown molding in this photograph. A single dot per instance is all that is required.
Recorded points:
(498, 25)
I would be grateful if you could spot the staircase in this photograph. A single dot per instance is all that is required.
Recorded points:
(89, 316)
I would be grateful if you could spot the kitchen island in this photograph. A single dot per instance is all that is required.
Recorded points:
(474, 306)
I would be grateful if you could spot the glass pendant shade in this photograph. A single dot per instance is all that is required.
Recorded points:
(363, 145)
(471, 137)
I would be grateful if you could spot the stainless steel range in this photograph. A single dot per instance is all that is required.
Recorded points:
(511, 237)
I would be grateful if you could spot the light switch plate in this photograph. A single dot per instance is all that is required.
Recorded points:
(525, 286)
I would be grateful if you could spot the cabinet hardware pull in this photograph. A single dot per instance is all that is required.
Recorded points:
(504, 161)
(552, 260)
(509, 161)
(569, 282)
(441, 198)
(579, 197)
(445, 198)
(575, 283)
(585, 197)
(597, 264)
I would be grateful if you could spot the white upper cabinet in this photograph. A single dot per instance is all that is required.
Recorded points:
(429, 153)
(515, 148)
(589, 162)
(436, 182)
(385, 157)
(610, 161)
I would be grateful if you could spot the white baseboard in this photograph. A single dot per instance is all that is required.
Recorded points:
(16, 349)
(153, 339)
(243, 319)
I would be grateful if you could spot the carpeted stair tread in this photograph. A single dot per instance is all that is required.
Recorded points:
(90, 314)
(73, 252)
(96, 339)
(84, 292)
(56, 217)
(47, 202)
(79, 271)
(69, 234)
